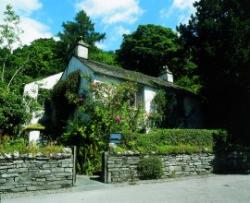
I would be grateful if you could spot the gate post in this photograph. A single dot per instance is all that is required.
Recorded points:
(105, 167)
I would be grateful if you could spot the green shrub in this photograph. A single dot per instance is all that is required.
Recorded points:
(165, 141)
(150, 168)
(12, 111)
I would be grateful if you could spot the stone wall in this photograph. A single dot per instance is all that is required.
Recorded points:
(20, 173)
(122, 168)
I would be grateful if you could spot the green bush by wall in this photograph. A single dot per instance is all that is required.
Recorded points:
(150, 168)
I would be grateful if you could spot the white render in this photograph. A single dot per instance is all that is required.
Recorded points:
(167, 75)
(82, 51)
(34, 136)
(36, 116)
(170, 77)
(49, 82)
(149, 94)
(31, 90)
(46, 83)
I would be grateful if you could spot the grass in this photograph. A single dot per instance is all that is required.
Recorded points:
(167, 149)
(22, 147)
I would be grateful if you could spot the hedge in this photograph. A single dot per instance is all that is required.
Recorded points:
(173, 141)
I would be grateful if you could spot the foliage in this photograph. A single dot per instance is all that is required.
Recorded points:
(218, 37)
(89, 145)
(81, 27)
(61, 105)
(151, 47)
(12, 111)
(44, 58)
(20, 145)
(113, 106)
(190, 83)
(148, 49)
(164, 141)
(107, 57)
(9, 35)
(43, 96)
(10, 31)
(150, 168)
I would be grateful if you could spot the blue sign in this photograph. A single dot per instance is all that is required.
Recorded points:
(115, 138)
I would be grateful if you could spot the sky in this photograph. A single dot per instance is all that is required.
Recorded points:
(44, 18)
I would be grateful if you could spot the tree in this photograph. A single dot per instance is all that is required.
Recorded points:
(9, 35)
(44, 59)
(151, 47)
(12, 111)
(107, 57)
(83, 28)
(148, 49)
(218, 36)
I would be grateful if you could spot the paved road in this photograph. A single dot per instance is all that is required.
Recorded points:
(213, 189)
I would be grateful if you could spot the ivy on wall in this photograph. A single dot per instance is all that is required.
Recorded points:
(61, 104)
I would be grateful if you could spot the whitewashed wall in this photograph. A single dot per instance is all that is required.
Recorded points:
(75, 65)
(149, 94)
(32, 90)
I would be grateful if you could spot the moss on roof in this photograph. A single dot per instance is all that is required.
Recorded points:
(121, 73)
(31, 127)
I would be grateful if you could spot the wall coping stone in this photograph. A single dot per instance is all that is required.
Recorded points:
(131, 153)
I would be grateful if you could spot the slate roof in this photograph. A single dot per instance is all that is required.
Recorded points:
(120, 73)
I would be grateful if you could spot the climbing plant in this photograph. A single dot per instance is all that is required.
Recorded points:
(87, 118)
(61, 104)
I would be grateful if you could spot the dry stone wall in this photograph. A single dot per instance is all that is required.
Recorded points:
(20, 173)
(122, 168)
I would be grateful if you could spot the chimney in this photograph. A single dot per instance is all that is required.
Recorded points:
(166, 75)
(82, 49)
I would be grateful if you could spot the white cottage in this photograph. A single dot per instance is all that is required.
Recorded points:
(103, 73)
(186, 108)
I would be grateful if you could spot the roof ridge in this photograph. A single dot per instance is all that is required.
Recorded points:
(122, 73)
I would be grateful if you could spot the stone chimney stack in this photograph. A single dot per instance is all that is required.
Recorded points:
(166, 75)
(82, 49)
